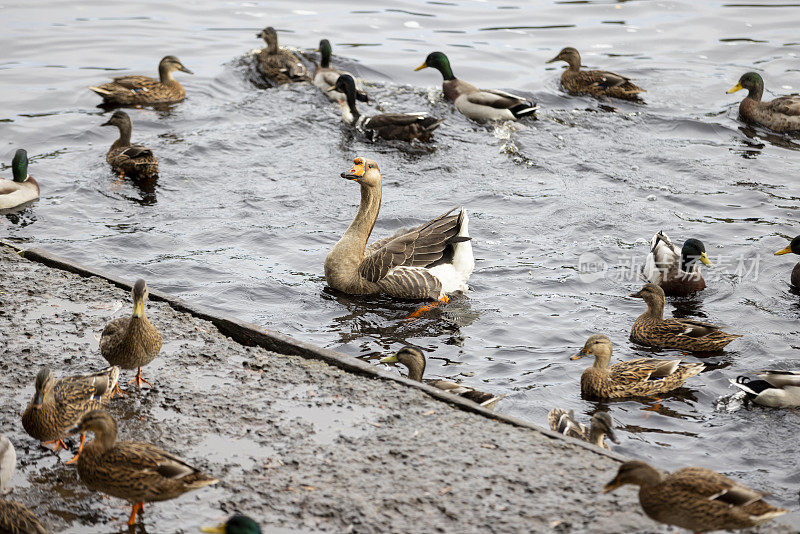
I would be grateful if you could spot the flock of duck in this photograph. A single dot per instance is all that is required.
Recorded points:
(426, 262)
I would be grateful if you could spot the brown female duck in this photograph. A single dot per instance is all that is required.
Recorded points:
(676, 271)
(632, 378)
(278, 64)
(695, 498)
(136, 472)
(652, 330)
(23, 188)
(132, 342)
(142, 90)
(779, 115)
(594, 82)
(600, 427)
(135, 161)
(425, 262)
(57, 405)
(415, 361)
(794, 248)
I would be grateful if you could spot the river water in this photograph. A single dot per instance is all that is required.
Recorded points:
(249, 198)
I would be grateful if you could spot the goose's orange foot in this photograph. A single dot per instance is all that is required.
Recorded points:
(80, 449)
(139, 380)
(138, 507)
(428, 307)
(57, 443)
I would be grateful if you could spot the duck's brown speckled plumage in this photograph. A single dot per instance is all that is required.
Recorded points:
(136, 161)
(779, 115)
(594, 82)
(695, 498)
(278, 64)
(143, 90)
(16, 519)
(58, 405)
(136, 472)
(565, 423)
(632, 378)
(132, 342)
(414, 360)
(652, 330)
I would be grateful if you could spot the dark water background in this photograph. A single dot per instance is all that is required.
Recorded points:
(249, 198)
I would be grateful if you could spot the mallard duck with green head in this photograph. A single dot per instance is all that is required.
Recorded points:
(143, 90)
(633, 378)
(695, 498)
(137, 472)
(652, 330)
(677, 272)
(57, 405)
(414, 360)
(132, 342)
(277, 64)
(596, 83)
(236, 524)
(779, 115)
(478, 104)
(325, 76)
(399, 126)
(794, 248)
(136, 161)
(600, 427)
(23, 188)
(776, 389)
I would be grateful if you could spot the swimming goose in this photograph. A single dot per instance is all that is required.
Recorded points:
(23, 188)
(278, 64)
(780, 115)
(677, 272)
(414, 360)
(601, 426)
(778, 389)
(478, 104)
(325, 76)
(794, 248)
(403, 126)
(593, 82)
(425, 262)
(135, 161)
(695, 498)
(652, 330)
(143, 90)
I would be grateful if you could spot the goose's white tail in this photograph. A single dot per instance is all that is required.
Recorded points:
(454, 275)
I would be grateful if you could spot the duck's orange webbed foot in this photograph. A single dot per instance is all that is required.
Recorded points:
(139, 380)
(80, 449)
(118, 392)
(654, 408)
(138, 507)
(428, 307)
(57, 444)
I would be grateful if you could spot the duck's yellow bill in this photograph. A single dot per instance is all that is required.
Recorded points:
(219, 529)
(735, 88)
(705, 260)
(783, 251)
(423, 66)
(138, 308)
(389, 359)
(580, 355)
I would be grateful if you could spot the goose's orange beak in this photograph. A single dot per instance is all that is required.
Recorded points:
(357, 171)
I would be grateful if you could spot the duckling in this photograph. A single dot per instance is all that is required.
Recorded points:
(57, 405)
(695, 498)
(415, 361)
(137, 472)
(632, 378)
(601, 426)
(237, 524)
(135, 161)
(143, 90)
(794, 248)
(278, 64)
(132, 342)
(8, 463)
(402, 126)
(652, 330)
(593, 82)
(779, 115)
(325, 76)
(678, 273)
(478, 104)
(778, 389)
(23, 188)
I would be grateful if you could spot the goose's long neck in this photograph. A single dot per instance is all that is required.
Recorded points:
(360, 229)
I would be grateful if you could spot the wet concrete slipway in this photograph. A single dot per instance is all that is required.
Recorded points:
(298, 443)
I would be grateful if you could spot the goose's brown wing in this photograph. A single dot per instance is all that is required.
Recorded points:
(421, 247)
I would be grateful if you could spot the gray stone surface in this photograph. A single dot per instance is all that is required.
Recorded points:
(299, 445)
